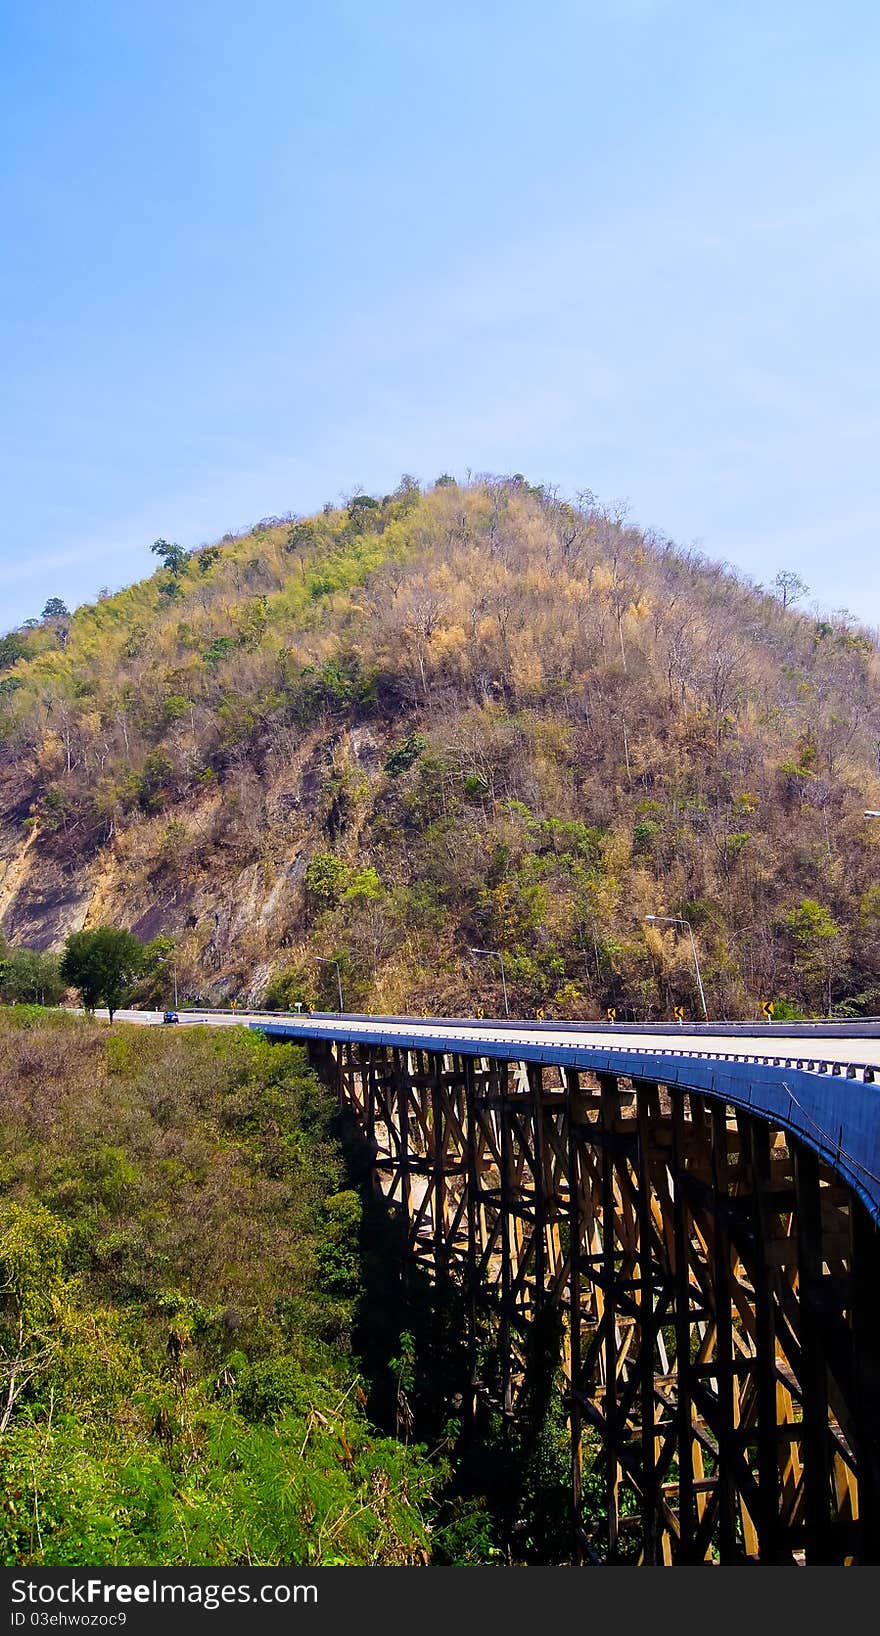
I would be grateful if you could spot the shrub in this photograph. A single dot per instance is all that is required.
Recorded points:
(406, 754)
(326, 878)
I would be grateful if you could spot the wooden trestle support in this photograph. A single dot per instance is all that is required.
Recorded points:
(719, 1287)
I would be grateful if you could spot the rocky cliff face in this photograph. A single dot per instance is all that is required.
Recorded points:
(230, 902)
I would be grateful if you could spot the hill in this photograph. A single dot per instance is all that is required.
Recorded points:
(472, 717)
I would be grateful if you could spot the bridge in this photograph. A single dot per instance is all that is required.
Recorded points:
(695, 1212)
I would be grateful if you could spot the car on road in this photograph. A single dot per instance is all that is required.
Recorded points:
(170, 1017)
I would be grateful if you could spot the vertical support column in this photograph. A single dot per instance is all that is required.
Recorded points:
(646, 1095)
(500, 1072)
(438, 1169)
(472, 1207)
(575, 1116)
(536, 1086)
(683, 1366)
(400, 1093)
(813, 1369)
(756, 1135)
(866, 1358)
(368, 1084)
(721, 1281)
(609, 1088)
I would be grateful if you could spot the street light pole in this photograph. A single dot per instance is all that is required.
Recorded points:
(678, 920)
(324, 961)
(496, 955)
(171, 959)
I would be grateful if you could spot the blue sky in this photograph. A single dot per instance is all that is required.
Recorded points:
(258, 256)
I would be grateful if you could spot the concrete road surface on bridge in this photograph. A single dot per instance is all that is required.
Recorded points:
(849, 1045)
(813, 1079)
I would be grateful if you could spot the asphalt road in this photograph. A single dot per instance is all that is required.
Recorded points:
(856, 1045)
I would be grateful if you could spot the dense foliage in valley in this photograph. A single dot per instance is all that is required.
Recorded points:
(472, 717)
(213, 1347)
(178, 1273)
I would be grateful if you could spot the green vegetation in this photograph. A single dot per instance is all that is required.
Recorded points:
(29, 978)
(468, 716)
(105, 966)
(172, 556)
(178, 1262)
(102, 966)
(213, 1347)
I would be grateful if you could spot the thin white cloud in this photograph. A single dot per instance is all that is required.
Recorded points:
(24, 570)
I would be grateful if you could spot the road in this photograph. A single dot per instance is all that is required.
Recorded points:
(817, 1080)
(845, 1045)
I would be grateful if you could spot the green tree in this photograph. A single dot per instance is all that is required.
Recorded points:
(55, 609)
(363, 513)
(789, 587)
(102, 965)
(172, 556)
(816, 937)
(12, 648)
(28, 976)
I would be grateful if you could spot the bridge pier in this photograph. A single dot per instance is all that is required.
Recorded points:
(716, 1283)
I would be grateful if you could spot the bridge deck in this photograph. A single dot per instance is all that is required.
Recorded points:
(814, 1079)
